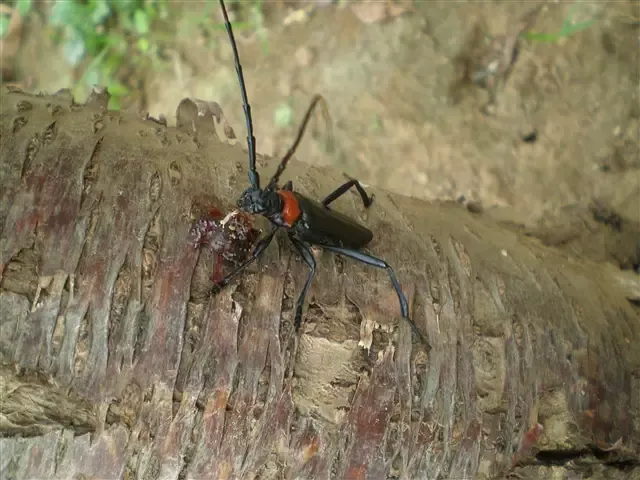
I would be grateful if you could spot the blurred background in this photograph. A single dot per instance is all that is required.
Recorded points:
(528, 106)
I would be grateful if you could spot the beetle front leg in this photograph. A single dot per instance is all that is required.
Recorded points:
(307, 256)
(257, 251)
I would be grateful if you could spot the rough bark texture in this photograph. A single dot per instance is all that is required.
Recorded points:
(118, 364)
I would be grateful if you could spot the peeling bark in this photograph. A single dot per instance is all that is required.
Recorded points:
(119, 364)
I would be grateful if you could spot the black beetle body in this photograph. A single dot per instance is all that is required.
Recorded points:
(320, 226)
(306, 221)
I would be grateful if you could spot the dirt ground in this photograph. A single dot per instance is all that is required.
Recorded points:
(398, 120)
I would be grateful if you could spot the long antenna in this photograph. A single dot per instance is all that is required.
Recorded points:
(317, 99)
(254, 178)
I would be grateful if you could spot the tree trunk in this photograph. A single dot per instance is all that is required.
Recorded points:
(120, 364)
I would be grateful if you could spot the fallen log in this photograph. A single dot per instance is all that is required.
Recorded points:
(118, 363)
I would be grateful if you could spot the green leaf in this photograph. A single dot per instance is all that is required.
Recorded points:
(92, 77)
(117, 42)
(4, 25)
(150, 10)
(283, 116)
(143, 45)
(569, 28)
(92, 69)
(375, 126)
(163, 10)
(100, 12)
(116, 89)
(141, 21)
(114, 103)
(112, 63)
(125, 23)
(23, 6)
(64, 13)
(74, 49)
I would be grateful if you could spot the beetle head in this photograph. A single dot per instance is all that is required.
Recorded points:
(260, 202)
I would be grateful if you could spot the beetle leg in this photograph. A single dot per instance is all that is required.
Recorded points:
(288, 186)
(307, 256)
(342, 189)
(257, 251)
(376, 262)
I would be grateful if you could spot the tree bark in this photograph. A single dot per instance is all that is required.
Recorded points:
(118, 363)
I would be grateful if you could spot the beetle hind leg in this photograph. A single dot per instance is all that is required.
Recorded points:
(342, 189)
(376, 262)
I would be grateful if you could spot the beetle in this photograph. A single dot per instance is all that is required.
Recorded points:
(307, 221)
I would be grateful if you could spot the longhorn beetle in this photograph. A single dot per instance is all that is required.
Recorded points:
(306, 221)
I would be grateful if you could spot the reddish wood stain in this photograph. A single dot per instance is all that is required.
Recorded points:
(310, 450)
(357, 473)
(528, 441)
(220, 400)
